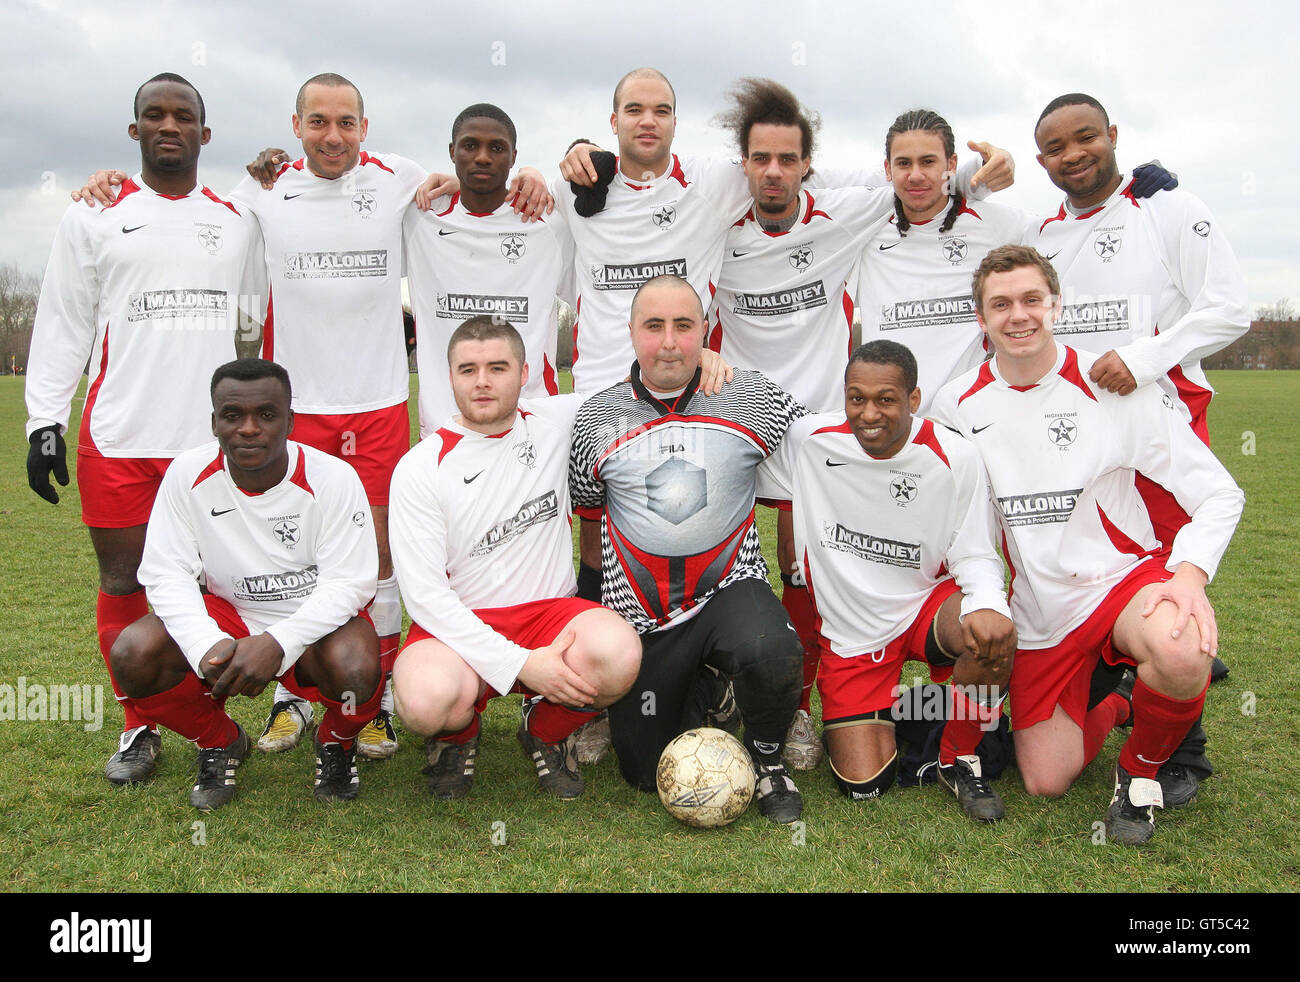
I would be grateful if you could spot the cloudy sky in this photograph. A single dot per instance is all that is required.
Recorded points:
(1209, 88)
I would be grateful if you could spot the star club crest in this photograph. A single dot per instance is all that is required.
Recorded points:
(286, 531)
(802, 257)
(954, 250)
(1107, 244)
(663, 217)
(527, 454)
(363, 203)
(1062, 432)
(512, 246)
(902, 489)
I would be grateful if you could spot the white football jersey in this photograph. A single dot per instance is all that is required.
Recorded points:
(149, 290)
(875, 536)
(1153, 279)
(915, 288)
(334, 259)
(1060, 457)
(483, 521)
(296, 561)
(782, 307)
(461, 264)
(675, 223)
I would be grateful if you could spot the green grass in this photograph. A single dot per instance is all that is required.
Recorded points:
(66, 829)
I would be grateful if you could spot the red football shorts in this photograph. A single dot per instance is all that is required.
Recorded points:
(117, 492)
(223, 612)
(371, 442)
(530, 625)
(853, 687)
(1043, 677)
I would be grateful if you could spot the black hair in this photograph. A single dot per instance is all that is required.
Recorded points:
(760, 100)
(250, 370)
(170, 77)
(485, 110)
(886, 353)
(927, 121)
(1072, 99)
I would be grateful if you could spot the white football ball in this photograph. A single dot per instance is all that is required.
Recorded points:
(705, 778)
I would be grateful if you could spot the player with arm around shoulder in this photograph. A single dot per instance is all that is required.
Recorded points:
(484, 561)
(259, 557)
(895, 538)
(1090, 578)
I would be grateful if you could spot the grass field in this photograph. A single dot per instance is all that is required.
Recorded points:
(66, 829)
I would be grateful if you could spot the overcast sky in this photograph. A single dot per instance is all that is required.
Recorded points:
(1209, 88)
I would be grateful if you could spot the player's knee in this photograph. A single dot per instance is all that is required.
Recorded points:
(621, 662)
(1042, 782)
(433, 706)
(1179, 659)
(774, 661)
(855, 783)
(132, 663)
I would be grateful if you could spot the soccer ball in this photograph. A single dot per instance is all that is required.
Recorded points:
(705, 778)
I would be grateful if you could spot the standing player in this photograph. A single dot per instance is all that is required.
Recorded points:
(259, 556)
(1089, 578)
(469, 254)
(484, 556)
(147, 290)
(895, 538)
(673, 472)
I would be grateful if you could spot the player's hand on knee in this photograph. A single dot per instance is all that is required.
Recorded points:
(433, 188)
(1110, 372)
(998, 172)
(100, 188)
(529, 196)
(214, 664)
(48, 454)
(265, 170)
(1186, 591)
(577, 166)
(714, 372)
(547, 674)
(253, 662)
(990, 638)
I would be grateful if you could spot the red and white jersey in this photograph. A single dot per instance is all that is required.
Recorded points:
(675, 223)
(875, 536)
(782, 307)
(1153, 279)
(1061, 456)
(483, 521)
(461, 264)
(296, 561)
(915, 288)
(334, 259)
(149, 290)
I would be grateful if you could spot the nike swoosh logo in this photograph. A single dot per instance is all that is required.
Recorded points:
(980, 429)
(1145, 761)
(443, 231)
(882, 247)
(840, 463)
(470, 480)
(290, 197)
(1053, 255)
(215, 513)
(128, 231)
(737, 255)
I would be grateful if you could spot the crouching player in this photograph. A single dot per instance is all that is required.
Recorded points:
(259, 554)
(895, 537)
(1090, 579)
(484, 557)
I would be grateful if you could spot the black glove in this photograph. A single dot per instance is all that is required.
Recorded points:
(48, 455)
(591, 201)
(1152, 177)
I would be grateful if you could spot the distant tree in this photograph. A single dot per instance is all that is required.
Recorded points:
(1282, 311)
(18, 294)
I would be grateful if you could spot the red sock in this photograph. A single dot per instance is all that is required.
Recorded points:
(190, 710)
(462, 736)
(963, 732)
(341, 724)
(389, 645)
(112, 614)
(1101, 719)
(1159, 725)
(803, 618)
(551, 722)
